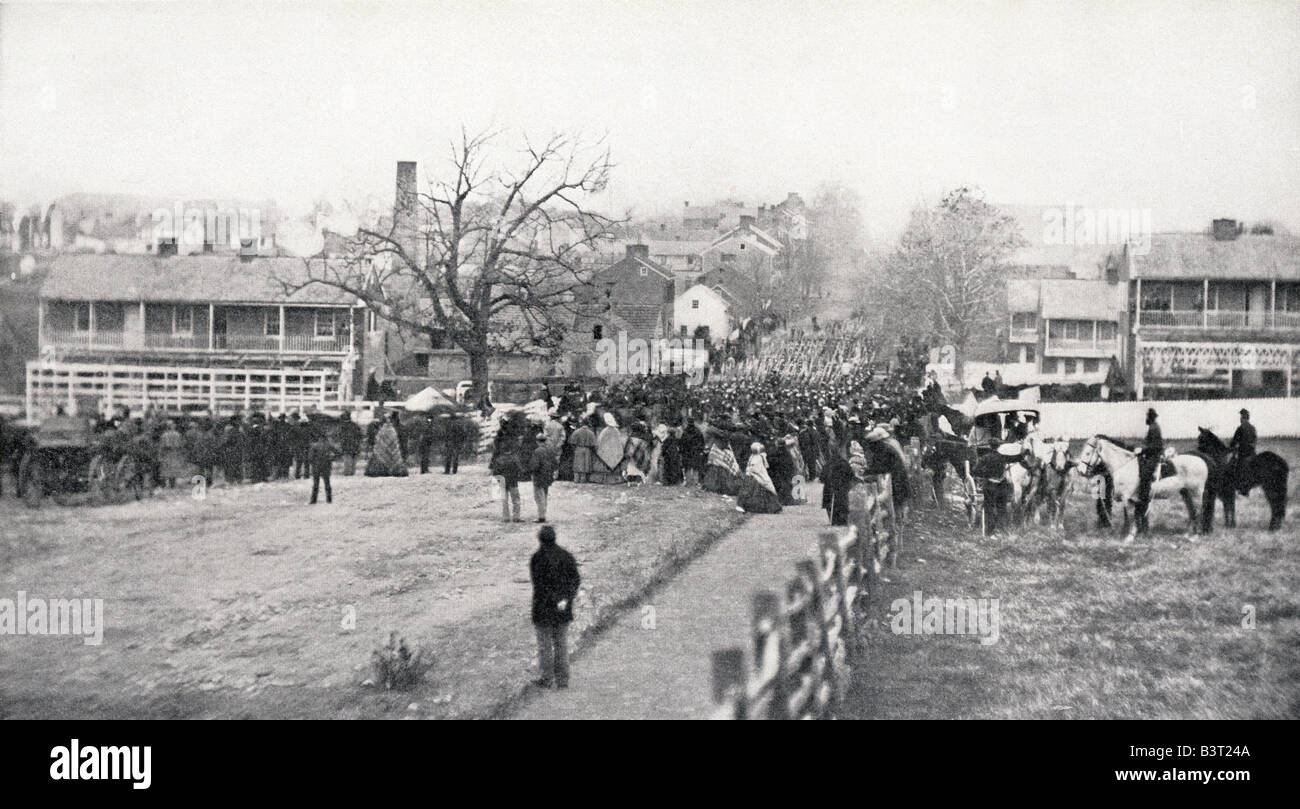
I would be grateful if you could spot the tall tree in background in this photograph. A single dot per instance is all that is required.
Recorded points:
(944, 279)
(490, 256)
(837, 237)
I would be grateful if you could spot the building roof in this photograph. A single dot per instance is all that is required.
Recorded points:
(1081, 300)
(761, 238)
(1193, 256)
(198, 279)
(1022, 294)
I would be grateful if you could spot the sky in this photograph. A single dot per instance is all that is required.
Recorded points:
(1188, 109)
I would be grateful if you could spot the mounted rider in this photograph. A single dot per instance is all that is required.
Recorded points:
(1149, 458)
(1243, 441)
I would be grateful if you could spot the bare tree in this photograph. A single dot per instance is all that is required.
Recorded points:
(949, 269)
(490, 256)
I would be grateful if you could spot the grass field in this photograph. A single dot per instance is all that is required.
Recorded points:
(235, 605)
(1091, 627)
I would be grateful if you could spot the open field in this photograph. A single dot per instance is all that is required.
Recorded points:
(1093, 628)
(234, 605)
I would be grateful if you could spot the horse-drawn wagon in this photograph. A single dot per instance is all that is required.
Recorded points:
(63, 456)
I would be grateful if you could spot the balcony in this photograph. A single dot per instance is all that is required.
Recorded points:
(1220, 319)
(1096, 349)
(166, 343)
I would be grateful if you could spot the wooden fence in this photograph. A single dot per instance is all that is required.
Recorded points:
(805, 640)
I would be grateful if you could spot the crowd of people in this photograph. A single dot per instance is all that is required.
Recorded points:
(171, 450)
(757, 440)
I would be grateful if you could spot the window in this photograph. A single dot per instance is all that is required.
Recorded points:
(644, 271)
(182, 320)
(1024, 321)
(1070, 365)
(1029, 353)
(1049, 365)
(683, 332)
(695, 303)
(597, 331)
(1106, 331)
(271, 322)
(1090, 366)
(82, 316)
(324, 325)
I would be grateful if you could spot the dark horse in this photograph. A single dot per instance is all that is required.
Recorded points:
(1264, 469)
(946, 450)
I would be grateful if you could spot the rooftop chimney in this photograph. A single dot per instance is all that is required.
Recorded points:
(247, 250)
(1225, 230)
(746, 220)
(638, 251)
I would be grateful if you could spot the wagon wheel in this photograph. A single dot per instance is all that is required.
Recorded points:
(31, 480)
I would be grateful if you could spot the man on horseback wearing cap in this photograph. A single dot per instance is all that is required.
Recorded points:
(1243, 441)
(1153, 447)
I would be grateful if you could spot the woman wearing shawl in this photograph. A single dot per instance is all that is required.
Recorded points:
(660, 435)
(722, 474)
(386, 459)
(636, 455)
(757, 493)
(607, 467)
(583, 442)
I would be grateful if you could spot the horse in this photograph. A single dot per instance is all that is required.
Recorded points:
(1192, 472)
(1054, 464)
(1267, 470)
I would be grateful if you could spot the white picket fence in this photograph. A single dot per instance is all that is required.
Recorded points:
(1179, 419)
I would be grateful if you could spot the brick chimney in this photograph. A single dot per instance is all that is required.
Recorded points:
(638, 251)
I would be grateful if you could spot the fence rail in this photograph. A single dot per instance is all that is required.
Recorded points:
(805, 640)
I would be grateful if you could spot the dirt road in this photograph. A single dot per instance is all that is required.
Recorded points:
(654, 662)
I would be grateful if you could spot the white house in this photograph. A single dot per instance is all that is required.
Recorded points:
(702, 306)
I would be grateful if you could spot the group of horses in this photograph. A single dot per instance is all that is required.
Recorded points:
(1040, 477)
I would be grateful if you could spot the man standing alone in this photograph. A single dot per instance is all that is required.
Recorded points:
(542, 469)
(554, 573)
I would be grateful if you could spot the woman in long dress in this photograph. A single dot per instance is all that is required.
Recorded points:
(721, 474)
(757, 493)
(583, 442)
(386, 458)
(607, 467)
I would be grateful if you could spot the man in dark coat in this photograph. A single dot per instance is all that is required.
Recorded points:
(321, 454)
(541, 467)
(692, 449)
(1243, 441)
(349, 443)
(232, 452)
(281, 455)
(670, 453)
(423, 429)
(837, 479)
(1153, 447)
(554, 573)
(453, 443)
(299, 442)
(781, 470)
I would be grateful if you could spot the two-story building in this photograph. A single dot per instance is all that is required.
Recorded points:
(1216, 314)
(219, 333)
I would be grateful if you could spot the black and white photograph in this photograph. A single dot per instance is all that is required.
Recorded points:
(650, 360)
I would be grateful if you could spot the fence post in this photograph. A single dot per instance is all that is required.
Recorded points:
(729, 683)
(768, 691)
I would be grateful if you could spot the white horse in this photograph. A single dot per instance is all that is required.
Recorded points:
(1189, 481)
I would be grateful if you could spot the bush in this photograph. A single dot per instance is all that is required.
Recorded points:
(395, 666)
